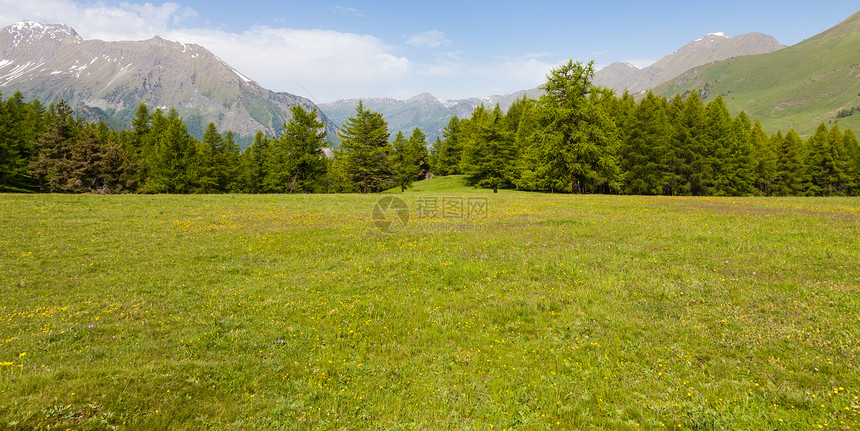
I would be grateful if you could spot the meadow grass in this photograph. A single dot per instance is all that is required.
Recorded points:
(549, 311)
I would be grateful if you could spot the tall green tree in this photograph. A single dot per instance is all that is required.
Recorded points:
(366, 150)
(449, 153)
(173, 160)
(420, 156)
(828, 162)
(790, 179)
(53, 165)
(403, 162)
(490, 150)
(253, 163)
(646, 146)
(579, 140)
(853, 148)
(764, 160)
(305, 134)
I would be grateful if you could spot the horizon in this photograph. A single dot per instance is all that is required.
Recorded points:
(329, 51)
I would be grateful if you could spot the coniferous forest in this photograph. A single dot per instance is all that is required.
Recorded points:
(576, 138)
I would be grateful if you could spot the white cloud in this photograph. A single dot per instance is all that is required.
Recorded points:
(429, 39)
(323, 61)
(126, 22)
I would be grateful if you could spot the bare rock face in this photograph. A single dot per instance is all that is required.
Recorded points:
(109, 80)
(713, 47)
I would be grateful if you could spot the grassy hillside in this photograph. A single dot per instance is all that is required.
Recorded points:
(796, 87)
(548, 311)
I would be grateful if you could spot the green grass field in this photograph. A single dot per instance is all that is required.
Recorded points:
(547, 311)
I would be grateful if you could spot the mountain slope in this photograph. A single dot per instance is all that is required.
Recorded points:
(710, 48)
(799, 86)
(109, 80)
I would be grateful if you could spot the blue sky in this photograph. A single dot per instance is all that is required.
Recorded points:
(328, 50)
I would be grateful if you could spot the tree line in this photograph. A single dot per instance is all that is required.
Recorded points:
(577, 138)
(584, 139)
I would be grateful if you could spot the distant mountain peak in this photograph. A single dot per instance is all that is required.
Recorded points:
(109, 79)
(716, 35)
(706, 49)
(34, 31)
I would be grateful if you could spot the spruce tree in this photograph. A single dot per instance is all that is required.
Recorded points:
(646, 146)
(489, 152)
(764, 160)
(791, 169)
(450, 152)
(852, 146)
(366, 150)
(53, 166)
(828, 162)
(403, 162)
(420, 157)
(305, 135)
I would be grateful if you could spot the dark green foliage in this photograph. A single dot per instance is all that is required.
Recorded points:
(366, 150)
(403, 162)
(305, 135)
(790, 166)
(53, 165)
(764, 160)
(489, 150)
(449, 150)
(828, 163)
(644, 152)
(577, 138)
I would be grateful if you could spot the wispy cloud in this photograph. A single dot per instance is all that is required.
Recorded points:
(429, 39)
(348, 11)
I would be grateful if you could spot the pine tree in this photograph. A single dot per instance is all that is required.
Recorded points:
(790, 166)
(210, 152)
(451, 150)
(853, 149)
(253, 164)
(53, 166)
(828, 162)
(764, 161)
(172, 160)
(302, 143)
(489, 151)
(420, 157)
(691, 170)
(366, 150)
(647, 143)
(403, 162)
(86, 158)
(579, 141)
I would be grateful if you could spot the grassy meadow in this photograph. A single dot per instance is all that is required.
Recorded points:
(547, 311)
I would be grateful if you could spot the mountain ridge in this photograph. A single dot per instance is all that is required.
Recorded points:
(109, 79)
(709, 48)
(796, 87)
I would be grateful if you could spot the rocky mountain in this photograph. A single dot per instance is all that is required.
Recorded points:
(801, 86)
(707, 49)
(425, 111)
(107, 80)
